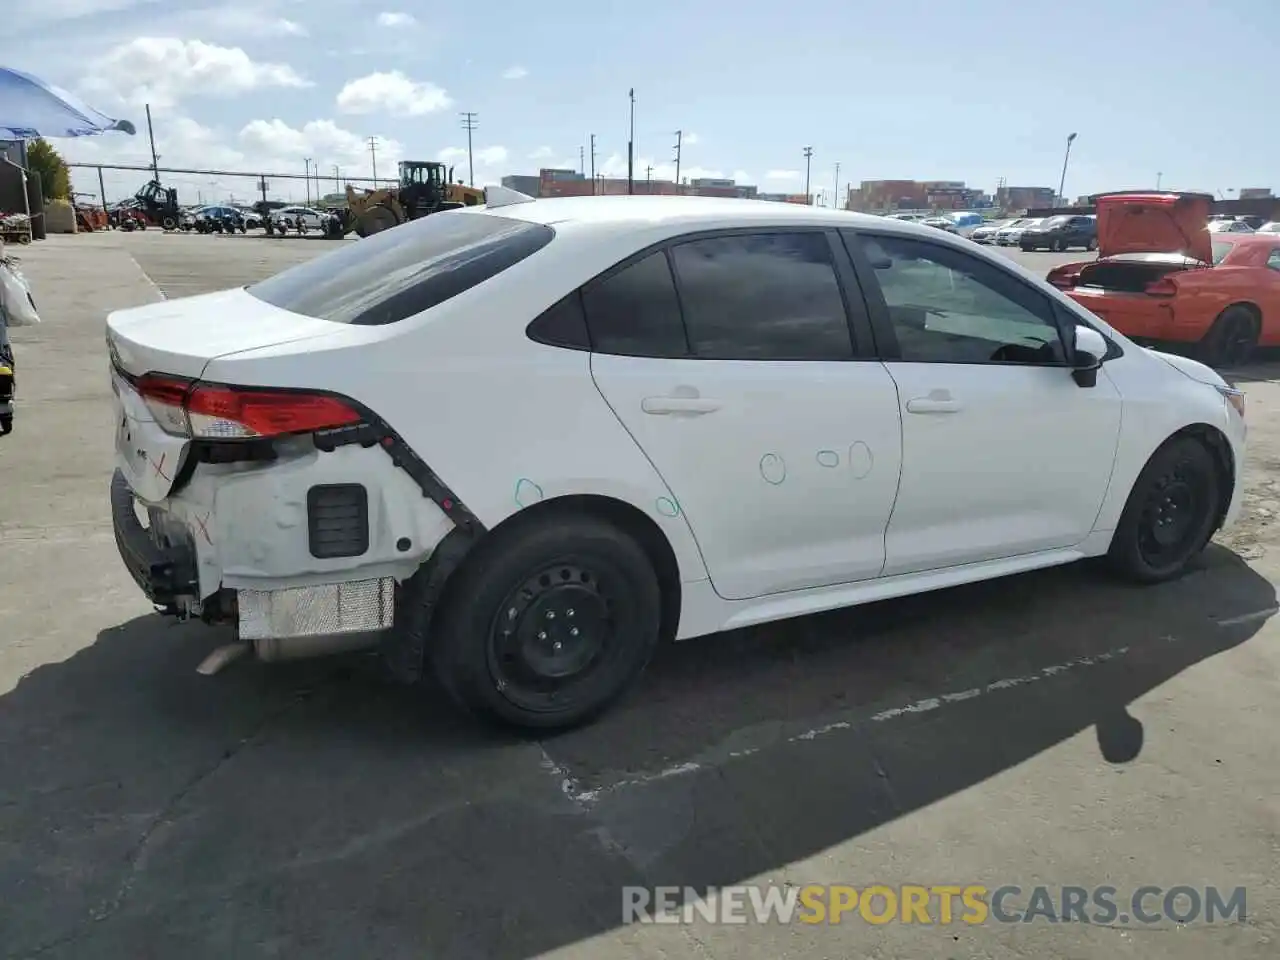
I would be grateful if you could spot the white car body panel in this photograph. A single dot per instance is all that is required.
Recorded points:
(507, 423)
(799, 476)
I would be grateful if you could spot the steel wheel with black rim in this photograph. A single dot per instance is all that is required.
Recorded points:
(1171, 513)
(548, 622)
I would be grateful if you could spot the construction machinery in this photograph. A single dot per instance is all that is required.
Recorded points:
(425, 187)
(158, 205)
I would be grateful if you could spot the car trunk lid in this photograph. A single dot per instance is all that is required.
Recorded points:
(179, 339)
(1154, 223)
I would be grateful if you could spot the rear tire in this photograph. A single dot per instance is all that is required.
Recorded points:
(1232, 338)
(1170, 515)
(547, 624)
(1092, 245)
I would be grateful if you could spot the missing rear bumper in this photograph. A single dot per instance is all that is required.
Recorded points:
(329, 609)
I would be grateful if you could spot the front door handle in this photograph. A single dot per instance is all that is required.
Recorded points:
(679, 406)
(933, 405)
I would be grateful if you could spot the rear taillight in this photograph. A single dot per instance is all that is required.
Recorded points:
(1164, 287)
(1062, 278)
(213, 412)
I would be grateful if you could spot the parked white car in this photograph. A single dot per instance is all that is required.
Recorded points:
(966, 223)
(526, 441)
(1229, 226)
(289, 217)
(1011, 235)
(986, 233)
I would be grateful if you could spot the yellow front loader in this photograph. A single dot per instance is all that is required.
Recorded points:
(425, 187)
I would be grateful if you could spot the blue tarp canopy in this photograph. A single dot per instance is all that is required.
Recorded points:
(31, 108)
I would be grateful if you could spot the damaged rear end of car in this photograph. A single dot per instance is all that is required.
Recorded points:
(254, 486)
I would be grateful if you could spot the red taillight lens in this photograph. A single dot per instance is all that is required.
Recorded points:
(1063, 281)
(211, 412)
(1164, 287)
(165, 398)
(222, 413)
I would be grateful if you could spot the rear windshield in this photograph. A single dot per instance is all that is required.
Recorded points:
(405, 270)
(1220, 250)
(1056, 221)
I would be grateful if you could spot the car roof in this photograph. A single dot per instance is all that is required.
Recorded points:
(690, 212)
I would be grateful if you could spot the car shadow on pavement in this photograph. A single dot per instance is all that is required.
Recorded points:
(314, 809)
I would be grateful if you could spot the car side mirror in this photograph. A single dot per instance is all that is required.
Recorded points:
(1088, 348)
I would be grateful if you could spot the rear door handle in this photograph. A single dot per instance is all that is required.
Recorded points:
(933, 405)
(679, 406)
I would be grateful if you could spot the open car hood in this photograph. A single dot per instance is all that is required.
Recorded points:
(1155, 223)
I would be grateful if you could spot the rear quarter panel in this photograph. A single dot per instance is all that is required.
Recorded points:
(1204, 294)
(505, 422)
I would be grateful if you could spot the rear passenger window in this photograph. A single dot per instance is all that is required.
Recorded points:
(563, 324)
(767, 296)
(635, 312)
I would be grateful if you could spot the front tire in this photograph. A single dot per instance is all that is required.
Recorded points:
(1170, 515)
(548, 624)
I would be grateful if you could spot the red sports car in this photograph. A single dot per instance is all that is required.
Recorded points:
(1161, 277)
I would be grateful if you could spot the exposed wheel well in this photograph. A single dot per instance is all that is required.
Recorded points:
(1218, 445)
(631, 521)
(1253, 309)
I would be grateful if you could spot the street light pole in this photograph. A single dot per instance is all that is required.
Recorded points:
(1067, 156)
(835, 189)
(808, 159)
(1158, 177)
(307, 162)
(631, 145)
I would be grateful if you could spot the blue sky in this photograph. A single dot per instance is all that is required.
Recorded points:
(968, 91)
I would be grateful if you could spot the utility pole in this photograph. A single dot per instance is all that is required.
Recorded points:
(1067, 156)
(102, 191)
(678, 147)
(373, 159)
(631, 145)
(155, 160)
(337, 179)
(307, 161)
(1158, 178)
(582, 160)
(835, 196)
(648, 178)
(593, 163)
(808, 159)
(468, 124)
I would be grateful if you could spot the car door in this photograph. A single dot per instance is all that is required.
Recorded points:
(1003, 453)
(748, 392)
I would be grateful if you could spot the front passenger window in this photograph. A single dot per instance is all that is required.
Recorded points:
(948, 307)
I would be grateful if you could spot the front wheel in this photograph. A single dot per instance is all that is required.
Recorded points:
(1092, 244)
(549, 624)
(1170, 515)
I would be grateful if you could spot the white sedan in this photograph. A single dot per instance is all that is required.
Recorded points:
(289, 217)
(523, 443)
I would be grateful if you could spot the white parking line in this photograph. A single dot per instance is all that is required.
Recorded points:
(571, 787)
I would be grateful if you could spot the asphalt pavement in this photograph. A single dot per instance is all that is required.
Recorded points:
(1054, 728)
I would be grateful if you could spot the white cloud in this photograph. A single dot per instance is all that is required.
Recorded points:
(542, 153)
(490, 163)
(257, 21)
(782, 175)
(396, 20)
(162, 71)
(392, 93)
(740, 176)
(514, 73)
(689, 139)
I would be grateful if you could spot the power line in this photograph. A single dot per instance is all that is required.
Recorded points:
(469, 123)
